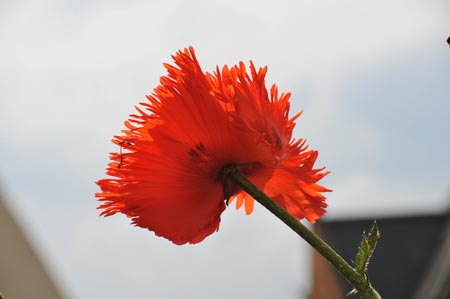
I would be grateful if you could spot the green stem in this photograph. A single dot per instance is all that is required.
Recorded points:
(359, 282)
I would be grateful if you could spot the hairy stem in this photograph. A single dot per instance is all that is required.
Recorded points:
(359, 282)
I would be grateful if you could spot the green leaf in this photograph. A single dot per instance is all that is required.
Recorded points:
(366, 249)
(373, 236)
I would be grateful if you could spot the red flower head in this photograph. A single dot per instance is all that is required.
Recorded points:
(169, 178)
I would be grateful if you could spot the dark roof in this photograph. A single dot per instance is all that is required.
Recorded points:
(436, 281)
(403, 260)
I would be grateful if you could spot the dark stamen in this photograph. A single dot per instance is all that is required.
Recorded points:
(121, 156)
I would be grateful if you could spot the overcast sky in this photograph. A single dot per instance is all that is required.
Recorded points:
(373, 79)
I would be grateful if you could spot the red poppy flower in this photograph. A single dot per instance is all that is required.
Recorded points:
(168, 179)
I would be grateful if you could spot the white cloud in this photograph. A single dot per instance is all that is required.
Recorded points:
(245, 253)
(366, 195)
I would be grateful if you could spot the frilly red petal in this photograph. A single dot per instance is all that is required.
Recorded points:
(166, 177)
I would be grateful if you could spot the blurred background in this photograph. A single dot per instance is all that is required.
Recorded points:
(373, 79)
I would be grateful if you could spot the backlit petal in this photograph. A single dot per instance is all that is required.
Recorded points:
(168, 175)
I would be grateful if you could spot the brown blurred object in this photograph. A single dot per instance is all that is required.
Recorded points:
(411, 261)
(325, 282)
(22, 275)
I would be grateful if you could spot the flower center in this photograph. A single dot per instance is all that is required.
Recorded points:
(200, 155)
(229, 187)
